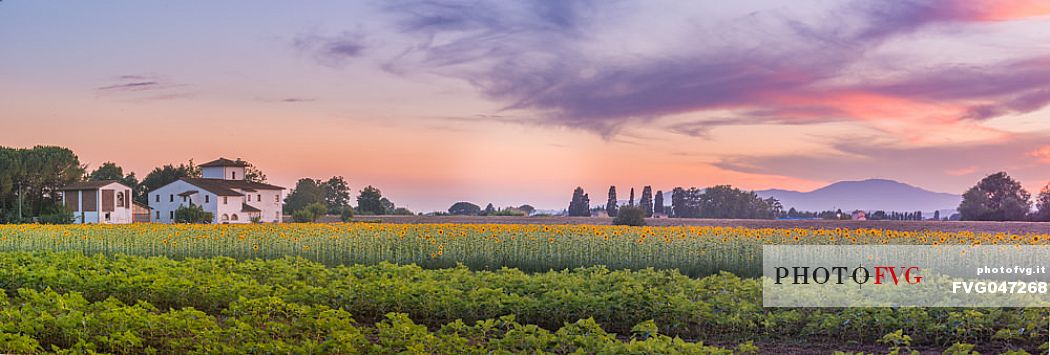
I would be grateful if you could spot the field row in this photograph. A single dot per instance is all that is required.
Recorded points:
(694, 251)
(721, 309)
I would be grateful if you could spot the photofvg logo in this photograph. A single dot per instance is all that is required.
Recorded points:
(905, 276)
(840, 275)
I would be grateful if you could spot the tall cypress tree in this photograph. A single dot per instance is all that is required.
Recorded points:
(646, 202)
(658, 202)
(580, 205)
(631, 201)
(611, 206)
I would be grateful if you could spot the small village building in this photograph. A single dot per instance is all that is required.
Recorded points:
(140, 212)
(104, 202)
(223, 192)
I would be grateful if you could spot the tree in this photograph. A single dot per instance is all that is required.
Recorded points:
(336, 193)
(193, 214)
(251, 173)
(317, 209)
(108, 171)
(30, 179)
(937, 215)
(370, 201)
(165, 175)
(611, 204)
(527, 209)
(1042, 203)
(686, 203)
(306, 191)
(112, 171)
(658, 202)
(997, 197)
(630, 202)
(464, 209)
(580, 205)
(489, 210)
(630, 216)
(310, 213)
(401, 211)
(646, 202)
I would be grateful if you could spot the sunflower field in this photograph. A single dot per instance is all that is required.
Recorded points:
(455, 288)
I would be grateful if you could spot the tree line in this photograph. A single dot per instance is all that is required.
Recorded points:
(998, 197)
(720, 201)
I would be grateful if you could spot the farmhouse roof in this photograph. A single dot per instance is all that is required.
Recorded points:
(222, 187)
(187, 193)
(223, 162)
(247, 208)
(88, 185)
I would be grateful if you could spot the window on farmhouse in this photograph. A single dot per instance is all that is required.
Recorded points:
(225, 199)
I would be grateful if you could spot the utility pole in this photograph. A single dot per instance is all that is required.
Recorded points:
(19, 202)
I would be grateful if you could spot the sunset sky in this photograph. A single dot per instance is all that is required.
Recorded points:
(515, 102)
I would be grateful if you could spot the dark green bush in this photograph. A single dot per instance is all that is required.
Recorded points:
(193, 214)
(347, 214)
(630, 216)
(302, 216)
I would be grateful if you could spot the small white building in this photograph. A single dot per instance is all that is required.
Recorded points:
(223, 192)
(105, 202)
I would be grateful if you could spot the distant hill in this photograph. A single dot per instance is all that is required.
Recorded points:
(868, 195)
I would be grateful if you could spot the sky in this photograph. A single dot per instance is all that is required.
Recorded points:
(514, 102)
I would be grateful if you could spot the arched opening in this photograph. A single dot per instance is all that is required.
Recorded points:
(225, 218)
(233, 217)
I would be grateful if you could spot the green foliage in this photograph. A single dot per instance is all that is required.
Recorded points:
(370, 201)
(251, 172)
(34, 174)
(630, 216)
(316, 210)
(1042, 203)
(509, 212)
(401, 211)
(336, 194)
(164, 175)
(997, 197)
(580, 205)
(464, 209)
(724, 202)
(193, 214)
(347, 214)
(302, 216)
(218, 305)
(611, 205)
(306, 191)
(57, 214)
(646, 201)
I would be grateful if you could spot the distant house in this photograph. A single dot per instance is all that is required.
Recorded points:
(222, 191)
(140, 212)
(104, 202)
(859, 215)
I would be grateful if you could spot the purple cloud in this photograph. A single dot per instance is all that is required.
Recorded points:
(528, 55)
(333, 51)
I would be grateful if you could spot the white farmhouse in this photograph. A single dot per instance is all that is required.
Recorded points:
(222, 191)
(106, 202)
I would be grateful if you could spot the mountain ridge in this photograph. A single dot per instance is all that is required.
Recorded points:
(868, 195)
